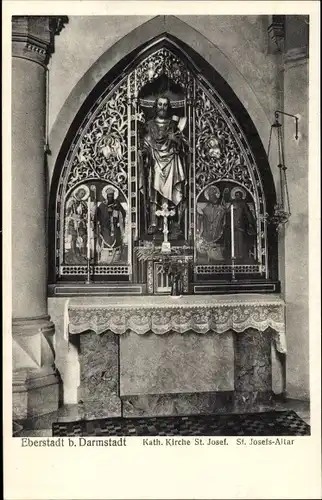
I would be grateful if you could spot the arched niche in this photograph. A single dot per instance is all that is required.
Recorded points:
(207, 102)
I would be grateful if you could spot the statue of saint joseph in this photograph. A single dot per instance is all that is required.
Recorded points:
(163, 164)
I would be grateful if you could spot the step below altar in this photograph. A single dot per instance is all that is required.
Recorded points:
(163, 355)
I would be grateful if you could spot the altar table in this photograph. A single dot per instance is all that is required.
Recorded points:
(254, 320)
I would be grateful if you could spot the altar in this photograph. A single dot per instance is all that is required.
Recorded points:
(164, 355)
(164, 255)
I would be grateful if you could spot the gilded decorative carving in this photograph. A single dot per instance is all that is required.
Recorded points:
(218, 155)
(226, 268)
(102, 151)
(150, 276)
(161, 62)
(223, 159)
(106, 147)
(150, 251)
(98, 270)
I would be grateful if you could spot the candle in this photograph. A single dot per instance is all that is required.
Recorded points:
(232, 231)
(165, 229)
(89, 228)
(135, 85)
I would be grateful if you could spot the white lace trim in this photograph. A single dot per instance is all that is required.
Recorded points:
(200, 316)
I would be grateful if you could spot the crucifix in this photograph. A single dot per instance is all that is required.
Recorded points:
(165, 213)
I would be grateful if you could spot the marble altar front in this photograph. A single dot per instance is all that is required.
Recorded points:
(159, 355)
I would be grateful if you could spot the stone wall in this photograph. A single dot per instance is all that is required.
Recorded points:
(77, 48)
(296, 233)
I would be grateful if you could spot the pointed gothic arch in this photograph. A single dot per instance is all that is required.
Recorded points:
(243, 159)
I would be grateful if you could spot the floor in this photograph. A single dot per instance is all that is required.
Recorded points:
(42, 426)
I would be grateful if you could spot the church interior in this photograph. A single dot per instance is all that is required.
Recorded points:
(160, 182)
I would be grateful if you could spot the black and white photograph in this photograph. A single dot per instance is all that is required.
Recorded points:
(160, 228)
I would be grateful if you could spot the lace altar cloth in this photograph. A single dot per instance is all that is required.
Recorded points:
(163, 314)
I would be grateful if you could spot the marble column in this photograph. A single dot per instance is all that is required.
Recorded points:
(35, 380)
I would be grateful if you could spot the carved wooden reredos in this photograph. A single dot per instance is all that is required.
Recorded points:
(100, 157)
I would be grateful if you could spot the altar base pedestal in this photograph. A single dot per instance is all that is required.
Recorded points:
(98, 391)
(253, 371)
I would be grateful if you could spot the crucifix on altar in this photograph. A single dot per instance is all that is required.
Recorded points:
(165, 213)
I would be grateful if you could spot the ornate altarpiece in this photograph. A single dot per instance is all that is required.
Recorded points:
(98, 172)
(219, 238)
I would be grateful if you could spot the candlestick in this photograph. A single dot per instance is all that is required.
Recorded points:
(233, 277)
(135, 85)
(165, 229)
(232, 231)
(89, 228)
(88, 273)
